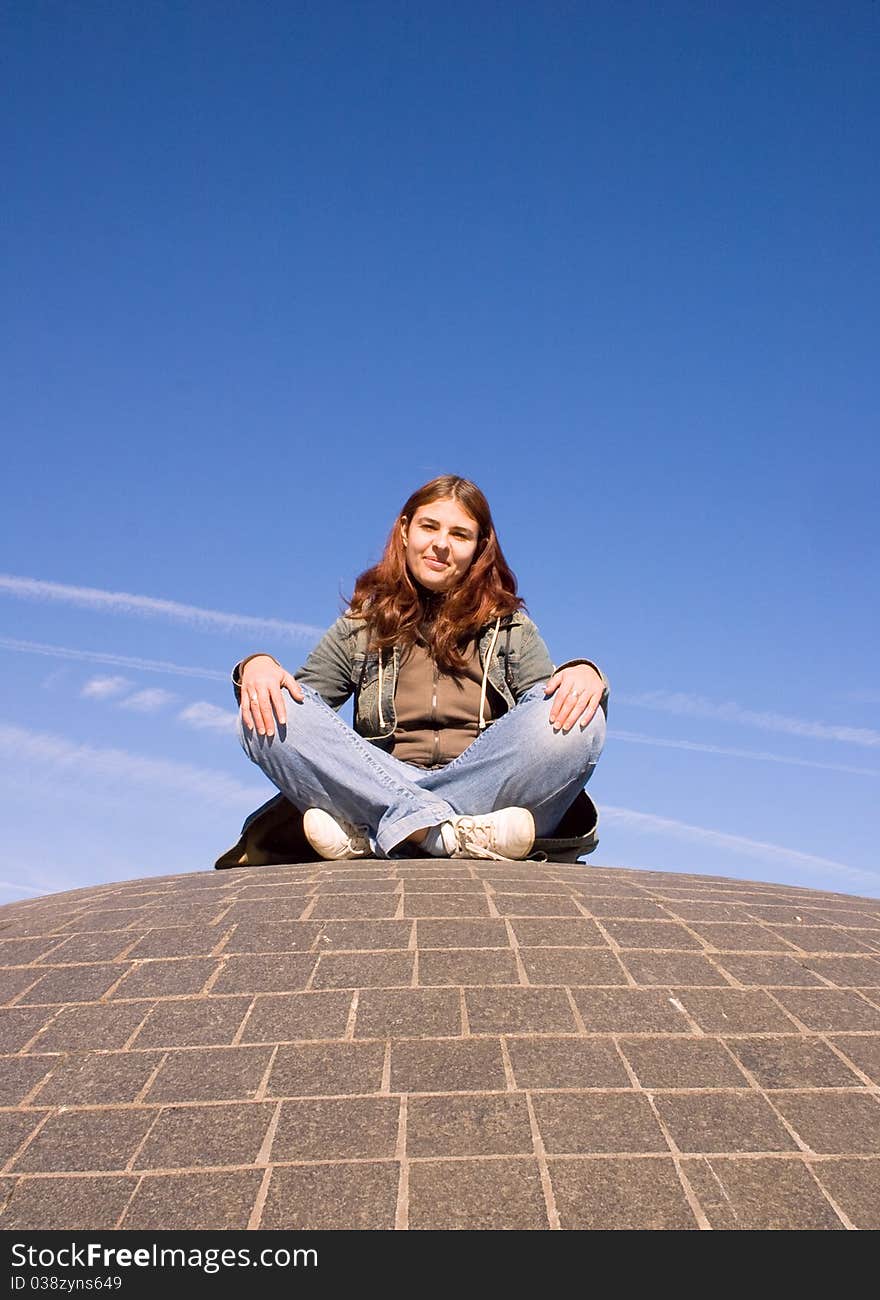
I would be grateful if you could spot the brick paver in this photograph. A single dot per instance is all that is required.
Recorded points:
(432, 1045)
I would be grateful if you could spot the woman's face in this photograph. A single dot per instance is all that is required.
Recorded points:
(440, 542)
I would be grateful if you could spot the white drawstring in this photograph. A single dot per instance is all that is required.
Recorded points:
(483, 685)
(381, 714)
(486, 674)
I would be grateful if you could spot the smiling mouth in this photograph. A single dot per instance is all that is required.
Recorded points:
(435, 564)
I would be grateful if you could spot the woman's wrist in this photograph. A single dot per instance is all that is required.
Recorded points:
(239, 668)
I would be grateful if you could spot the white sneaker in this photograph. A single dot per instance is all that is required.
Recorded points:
(334, 838)
(506, 835)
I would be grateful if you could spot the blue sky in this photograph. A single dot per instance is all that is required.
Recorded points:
(267, 267)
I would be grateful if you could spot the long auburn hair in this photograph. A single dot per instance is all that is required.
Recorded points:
(398, 611)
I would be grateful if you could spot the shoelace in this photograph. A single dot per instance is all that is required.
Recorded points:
(357, 840)
(475, 839)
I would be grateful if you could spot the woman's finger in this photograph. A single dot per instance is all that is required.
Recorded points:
(567, 706)
(581, 705)
(590, 707)
(289, 683)
(255, 706)
(253, 699)
(266, 714)
(277, 701)
(553, 688)
(250, 709)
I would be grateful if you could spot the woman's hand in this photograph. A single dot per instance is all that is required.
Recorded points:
(262, 681)
(579, 689)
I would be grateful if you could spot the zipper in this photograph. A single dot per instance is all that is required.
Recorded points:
(436, 752)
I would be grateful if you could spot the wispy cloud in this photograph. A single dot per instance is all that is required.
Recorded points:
(104, 688)
(125, 602)
(698, 707)
(741, 844)
(208, 717)
(148, 701)
(111, 660)
(636, 737)
(8, 887)
(56, 754)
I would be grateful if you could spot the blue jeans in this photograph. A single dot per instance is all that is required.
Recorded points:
(318, 761)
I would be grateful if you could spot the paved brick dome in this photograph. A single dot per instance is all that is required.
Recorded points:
(440, 1045)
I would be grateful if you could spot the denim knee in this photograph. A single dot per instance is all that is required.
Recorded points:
(255, 744)
(580, 745)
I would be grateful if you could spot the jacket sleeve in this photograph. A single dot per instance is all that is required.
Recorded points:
(329, 669)
(536, 665)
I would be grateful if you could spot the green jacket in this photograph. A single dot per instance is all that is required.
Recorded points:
(513, 657)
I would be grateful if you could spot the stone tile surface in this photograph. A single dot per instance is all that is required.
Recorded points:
(283, 1018)
(81, 1029)
(652, 935)
(581, 1123)
(326, 1069)
(461, 966)
(194, 1202)
(793, 1063)
(447, 1065)
(682, 1063)
(566, 1063)
(210, 1074)
(830, 1009)
(66, 1204)
(338, 1197)
(337, 1128)
(362, 936)
(408, 1013)
(572, 966)
(768, 972)
(364, 970)
(722, 1122)
(183, 1136)
(15, 1128)
(423, 1044)
(673, 969)
(863, 1050)
(462, 934)
(161, 979)
(630, 1011)
(855, 1186)
(731, 1011)
(519, 1010)
(558, 933)
(266, 973)
(850, 1125)
(20, 1074)
(94, 1079)
(476, 1195)
(200, 1022)
(86, 1140)
(480, 1124)
(760, 1195)
(623, 1194)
